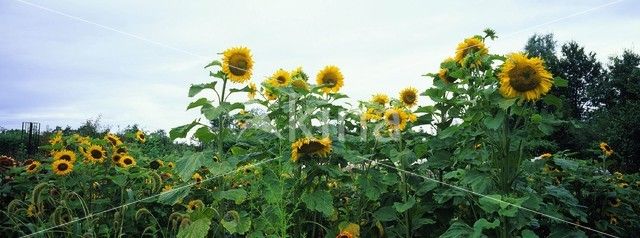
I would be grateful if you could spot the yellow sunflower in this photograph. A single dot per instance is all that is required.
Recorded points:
(352, 230)
(56, 139)
(525, 77)
(396, 118)
(156, 164)
(270, 95)
(409, 96)
(545, 156)
(380, 98)
(198, 178)
(310, 147)
(113, 139)
(171, 165)
(127, 161)
(615, 202)
(470, 46)
(443, 74)
(140, 136)
(237, 63)
(195, 204)
(65, 155)
(297, 72)
(371, 114)
(95, 153)
(606, 149)
(120, 150)
(32, 210)
(331, 78)
(280, 78)
(252, 91)
(62, 167)
(33, 167)
(300, 84)
(619, 175)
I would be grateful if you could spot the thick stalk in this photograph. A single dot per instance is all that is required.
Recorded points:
(220, 120)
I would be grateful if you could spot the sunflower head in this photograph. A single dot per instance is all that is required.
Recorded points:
(371, 114)
(469, 52)
(298, 73)
(197, 178)
(194, 204)
(126, 161)
(545, 156)
(116, 158)
(409, 96)
(380, 98)
(120, 150)
(524, 77)
(251, 94)
(331, 78)
(351, 230)
(56, 138)
(156, 164)
(310, 147)
(171, 165)
(614, 202)
(396, 119)
(300, 84)
(67, 155)
(33, 167)
(113, 139)
(618, 175)
(62, 167)
(95, 153)
(140, 136)
(270, 95)
(237, 64)
(606, 149)
(280, 78)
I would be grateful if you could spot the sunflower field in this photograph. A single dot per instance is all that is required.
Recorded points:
(295, 159)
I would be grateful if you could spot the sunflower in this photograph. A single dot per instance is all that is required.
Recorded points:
(33, 167)
(195, 204)
(468, 47)
(95, 153)
(167, 188)
(409, 96)
(32, 210)
(396, 119)
(251, 93)
(156, 164)
(65, 155)
(116, 158)
(127, 161)
(331, 78)
(113, 139)
(613, 220)
(525, 77)
(140, 136)
(270, 95)
(56, 139)
(371, 114)
(280, 78)
(606, 149)
(171, 165)
(120, 150)
(443, 74)
(614, 202)
(623, 185)
(545, 156)
(197, 177)
(619, 175)
(350, 231)
(237, 63)
(380, 98)
(310, 146)
(300, 84)
(62, 167)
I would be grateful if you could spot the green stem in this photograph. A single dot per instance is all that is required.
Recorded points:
(220, 120)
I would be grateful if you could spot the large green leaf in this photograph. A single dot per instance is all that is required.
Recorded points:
(181, 131)
(236, 195)
(235, 222)
(494, 122)
(386, 214)
(204, 134)
(483, 224)
(198, 228)
(188, 164)
(403, 207)
(321, 201)
(198, 103)
(197, 88)
(458, 229)
(171, 197)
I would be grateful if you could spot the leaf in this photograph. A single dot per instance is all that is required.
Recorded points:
(197, 88)
(551, 99)
(236, 195)
(188, 164)
(245, 89)
(403, 207)
(198, 103)
(528, 234)
(562, 195)
(506, 103)
(319, 201)
(372, 187)
(235, 222)
(483, 224)
(204, 134)
(545, 128)
(457, 229)
(560, 82)
(215, 62)
(488, 204)
(495, 122)
(181, 131)
(172, 197)
(198, 228)
(387, 213)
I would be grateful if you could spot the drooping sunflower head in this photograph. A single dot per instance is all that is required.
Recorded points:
(95, 153)
(298, 73)
(67, 155)
(445, 67)
(62, 167)
(113, 139)
(280, 78)
(409, 96)
(237, 63)
(194, 204)
(270, 95)
(56, 138)
(380, 98)
(331, 78)
(396, 119)
(606, 149)
(33, 167)
(469, 52)
(310, 147)
(524, 77)
(351, 230)
(140, 136)
(300, 84)
(156, 164)
(127, 161)
(251, 94)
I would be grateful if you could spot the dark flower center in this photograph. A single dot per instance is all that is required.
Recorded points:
(238, 65)
(63, 167)
(330, 79)
(128, 161)
(112, 140)
(65, 157)
(32, 166)
(409, 98)
(311, 147)
(116, 158)
(281, 79)
(154, 164)
(394, 118)
(121, 150)
(96, 154)
(523, 78)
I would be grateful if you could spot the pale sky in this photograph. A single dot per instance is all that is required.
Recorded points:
(133, 61)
